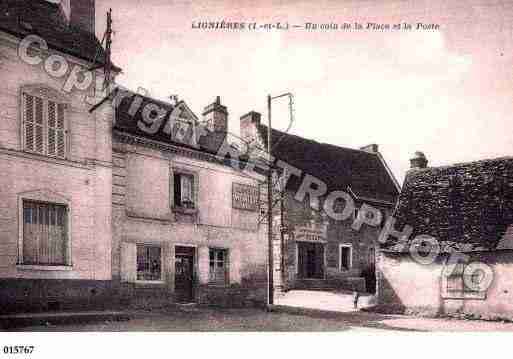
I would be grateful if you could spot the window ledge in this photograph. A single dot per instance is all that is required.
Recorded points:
(43, 267)
(184, 210)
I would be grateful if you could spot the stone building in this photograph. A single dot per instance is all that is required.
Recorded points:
(185, 220)
(467, 210)
(312, 249)
(55, 157)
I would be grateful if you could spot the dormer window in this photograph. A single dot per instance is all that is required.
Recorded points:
(44, 123)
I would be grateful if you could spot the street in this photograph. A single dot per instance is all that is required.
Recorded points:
(203, 319)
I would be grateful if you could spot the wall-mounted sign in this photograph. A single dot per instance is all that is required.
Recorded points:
(244, 197)
(308, 234)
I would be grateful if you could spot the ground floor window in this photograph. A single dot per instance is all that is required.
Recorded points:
(218, 264)
(346, 257)
(457, 281)
(149, 262)
(45, 234)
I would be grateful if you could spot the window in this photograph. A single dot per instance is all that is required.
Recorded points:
(149, 263)
(45, 235)
(184, 190)
(44, 126)
(218, 272)
(346, 257)
(457, 285)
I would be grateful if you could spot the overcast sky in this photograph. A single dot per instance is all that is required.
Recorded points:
(447, 93)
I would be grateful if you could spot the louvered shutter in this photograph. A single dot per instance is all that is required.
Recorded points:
(52, 124)
(29, 121)
(61, 131)
(39, 125)
(56, 130)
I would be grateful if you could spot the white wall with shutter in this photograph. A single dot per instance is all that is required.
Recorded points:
(128, 262)
(203, 266)
(235, 265)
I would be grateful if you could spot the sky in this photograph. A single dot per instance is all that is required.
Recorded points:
(446, 92)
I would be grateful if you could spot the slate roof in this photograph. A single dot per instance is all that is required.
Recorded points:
(363, 172)
(466, 207)
(24, 17)
(209, 142)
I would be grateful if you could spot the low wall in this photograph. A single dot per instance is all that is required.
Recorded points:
(40, 295)
(407, 286)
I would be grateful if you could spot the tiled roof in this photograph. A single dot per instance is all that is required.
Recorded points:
(25, 17)
(465, 207)
(363, 172)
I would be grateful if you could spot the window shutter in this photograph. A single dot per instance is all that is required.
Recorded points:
(52, 133)
(203, 264)
(28, 104)
(234, 266)
(61, 131)
(128, 262)
(177, 192)
(56, 130)
(39, 125)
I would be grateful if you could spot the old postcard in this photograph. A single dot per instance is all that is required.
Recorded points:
(255, 166)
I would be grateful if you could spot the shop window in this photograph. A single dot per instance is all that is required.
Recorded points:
(218, 266)
(149, 263)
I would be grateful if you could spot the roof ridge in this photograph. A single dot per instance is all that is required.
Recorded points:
(460, 164)
(321, 143)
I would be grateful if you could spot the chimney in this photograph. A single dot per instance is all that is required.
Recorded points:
(249, 126)
(372, 148)
(80, 13)
(215, 116)
(419, 161)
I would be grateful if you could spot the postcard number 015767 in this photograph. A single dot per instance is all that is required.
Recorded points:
(18, 349)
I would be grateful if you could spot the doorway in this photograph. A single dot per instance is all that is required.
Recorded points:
(310, 260)
(184, 274)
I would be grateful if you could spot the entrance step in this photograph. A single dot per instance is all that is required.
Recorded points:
(336, 301)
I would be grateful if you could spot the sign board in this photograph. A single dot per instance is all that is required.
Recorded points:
(308, 234)
(245, 197)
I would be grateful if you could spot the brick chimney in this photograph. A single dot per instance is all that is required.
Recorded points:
(215, 116)
(372, 148)
(249, 126)
(79, 13)
(418, 161)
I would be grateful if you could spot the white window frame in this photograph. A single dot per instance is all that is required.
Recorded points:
(46, 94)
(50, 197)
(345, 245)
(156, 281)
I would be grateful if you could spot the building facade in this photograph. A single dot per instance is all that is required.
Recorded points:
(55, 156)
(185, 222)
(467, 211)
(314, 250)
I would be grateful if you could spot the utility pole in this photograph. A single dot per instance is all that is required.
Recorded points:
(269, 205)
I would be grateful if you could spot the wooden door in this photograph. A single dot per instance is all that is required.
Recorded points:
(184, 277)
